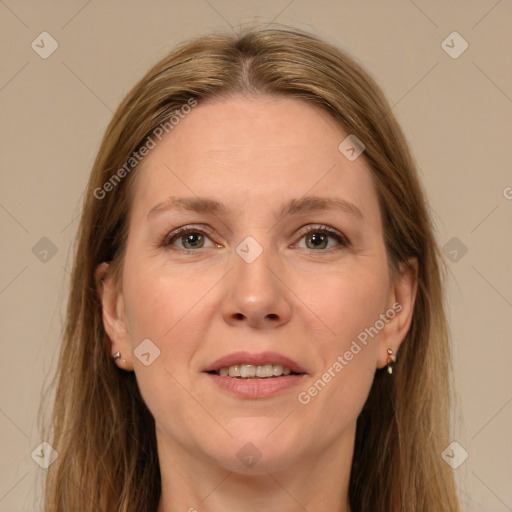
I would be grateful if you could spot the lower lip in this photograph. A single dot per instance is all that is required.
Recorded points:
(256, 388)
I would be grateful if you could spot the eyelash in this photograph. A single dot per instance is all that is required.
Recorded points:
(170, 238)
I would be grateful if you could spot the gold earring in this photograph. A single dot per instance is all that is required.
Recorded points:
(390, 361)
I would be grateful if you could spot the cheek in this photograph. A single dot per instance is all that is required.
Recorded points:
(350, 301)
(161, 308)
(158, 299)
(153, 311)
(149, 305)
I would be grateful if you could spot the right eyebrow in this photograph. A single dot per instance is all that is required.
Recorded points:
(194, 204)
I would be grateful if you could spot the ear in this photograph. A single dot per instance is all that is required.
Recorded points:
(112, 303)
(401, 299)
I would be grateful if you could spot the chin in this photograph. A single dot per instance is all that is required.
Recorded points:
(258, 448)
(250, 460)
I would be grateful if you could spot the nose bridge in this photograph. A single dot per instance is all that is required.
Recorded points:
(253, 277)
(256, 295)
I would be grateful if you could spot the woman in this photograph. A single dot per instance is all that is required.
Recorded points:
(256, 315)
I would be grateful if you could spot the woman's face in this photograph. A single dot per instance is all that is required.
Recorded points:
(282, 263)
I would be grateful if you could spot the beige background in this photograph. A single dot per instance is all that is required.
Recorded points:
(457, 114)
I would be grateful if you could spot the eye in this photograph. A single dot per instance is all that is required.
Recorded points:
(317, 238)
(188, 238)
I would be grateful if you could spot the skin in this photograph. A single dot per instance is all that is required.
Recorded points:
(308, 303)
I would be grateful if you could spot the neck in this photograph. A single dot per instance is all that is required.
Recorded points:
(310, 483)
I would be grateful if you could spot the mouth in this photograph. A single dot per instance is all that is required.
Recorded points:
(254, 376)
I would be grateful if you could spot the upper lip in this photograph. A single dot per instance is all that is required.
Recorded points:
(256, 359)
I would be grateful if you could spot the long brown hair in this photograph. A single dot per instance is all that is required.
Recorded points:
(101, 427)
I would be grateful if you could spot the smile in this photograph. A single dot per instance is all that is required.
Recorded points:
(250, 371)
(251, 375)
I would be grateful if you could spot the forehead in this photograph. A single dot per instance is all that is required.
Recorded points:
(247, 150)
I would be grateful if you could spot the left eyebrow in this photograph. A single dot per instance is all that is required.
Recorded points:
(317, 203)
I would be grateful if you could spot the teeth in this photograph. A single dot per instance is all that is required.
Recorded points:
(234, 371)
(249, 371)
(277, 370)
(265, 371)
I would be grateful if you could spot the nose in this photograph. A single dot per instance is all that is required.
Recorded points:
(256, 294)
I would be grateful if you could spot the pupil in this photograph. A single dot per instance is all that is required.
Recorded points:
(190, 239)
(317, 237)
